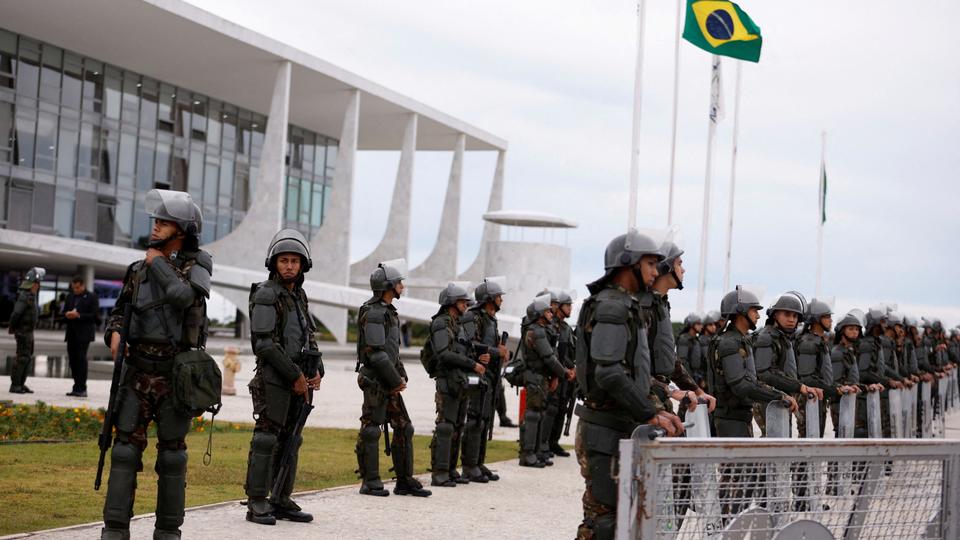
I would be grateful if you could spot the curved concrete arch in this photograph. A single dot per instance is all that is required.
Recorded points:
(491, 231)
(396, 239)
(441, 265)
(330, 247)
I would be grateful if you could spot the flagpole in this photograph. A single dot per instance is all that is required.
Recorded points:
(823, 165)
(676, 99)
(637, 96)
(733, 177)
(704, 232)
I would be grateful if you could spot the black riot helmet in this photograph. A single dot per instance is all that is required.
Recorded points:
(175, 206)
(739, 302)
(33, 275)
(816, 310)
(671, 252)
(289, 241)
(453, 292)
(690, 320)
(626, 250)
(387, 275)
(538, 307)
(489, 289)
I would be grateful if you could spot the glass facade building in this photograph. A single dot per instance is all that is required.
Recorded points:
(82, 141)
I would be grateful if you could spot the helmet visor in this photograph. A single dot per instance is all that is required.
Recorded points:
(170, 205)
(398, 265)
(647, 241)
(747, 291)
(498, 281)
(542, 302)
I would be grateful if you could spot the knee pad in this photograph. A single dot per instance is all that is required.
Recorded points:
(444, 429)
(370, 433)
(604, 527)
(473, 424)
(125, 455)
(263, 442)
(172, 462)
(531, 416)
(408, 432)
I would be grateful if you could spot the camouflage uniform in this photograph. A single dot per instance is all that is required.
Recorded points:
(776, 364)
(22, 322)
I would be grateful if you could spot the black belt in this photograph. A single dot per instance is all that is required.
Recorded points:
(151, 364)
(605, 419)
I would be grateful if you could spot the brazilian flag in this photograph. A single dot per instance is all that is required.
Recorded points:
(721, 27)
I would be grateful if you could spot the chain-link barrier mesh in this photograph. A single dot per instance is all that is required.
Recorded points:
(849, 489)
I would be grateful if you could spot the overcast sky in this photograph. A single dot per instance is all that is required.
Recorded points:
(555, 79)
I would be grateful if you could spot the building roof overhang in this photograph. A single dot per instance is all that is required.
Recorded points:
(179, 43)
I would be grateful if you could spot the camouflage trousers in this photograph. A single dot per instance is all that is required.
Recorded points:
(739, 482)
(21, 362)
(144, 398)
(600, 487)
(385, 409)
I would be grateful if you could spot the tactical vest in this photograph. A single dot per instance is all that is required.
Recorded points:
(294, 325)
(154, 321)
(636, 361)
(376, 308)
(27, 303)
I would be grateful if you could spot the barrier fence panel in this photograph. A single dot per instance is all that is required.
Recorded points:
(871, 489)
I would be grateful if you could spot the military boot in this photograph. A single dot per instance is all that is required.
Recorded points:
(110, 533)
(529, 459)
(368, 461)
(260, 511)
(160, 534)
(558, 450)
(259, 469)
(410, 486)
(291, 511)
(283, 506)
(491, 476)
(440, 455)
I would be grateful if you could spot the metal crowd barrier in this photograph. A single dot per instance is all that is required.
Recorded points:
(805, 488)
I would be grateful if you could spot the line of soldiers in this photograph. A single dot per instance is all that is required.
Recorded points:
(629, 366)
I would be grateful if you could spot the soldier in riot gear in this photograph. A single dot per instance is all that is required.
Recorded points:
(732, 377)
(480, 326)
(167, 293)
(843, 357)
(814, 362)
(613, 372)
(566, 354)
(448, 360)
(541, 377)
(555, 396)
(23, 320)
(688, 346)
(776, 360)
(712, 325)
(874, 368)
(282, 336)
(382, 377)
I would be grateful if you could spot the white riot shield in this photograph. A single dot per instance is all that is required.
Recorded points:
(778, 474)
(926, 413)
(905, 413)
(912, 420)
(847, 416)
(874, 428)
(939, 422)
(811, 408)
(703, 478)
(896, 410)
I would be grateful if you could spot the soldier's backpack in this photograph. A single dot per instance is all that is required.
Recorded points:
(428, 359)
(517, 366)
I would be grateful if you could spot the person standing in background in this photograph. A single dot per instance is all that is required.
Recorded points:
(80, 311)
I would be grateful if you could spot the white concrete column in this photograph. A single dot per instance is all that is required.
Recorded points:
(491, 231)
(247, 243)
(330, 247)
(396, 239)
(441, 265)
(86, 272)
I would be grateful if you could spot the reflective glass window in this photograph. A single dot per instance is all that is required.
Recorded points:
(213, 123)
(106, 221)
(183, 111)
(166, 111)
(8, 58)
(20, 208)
(195, 182)
(63, 212)
(92, 86)
(28, 69)
(145, 156)
(89, 150)
(241, 186)
(72, 90)
(162, 170)
(316, 205)
(148, 104)
(331, 156)
(85, 225)
(305, 195)
(67, 150)
(131, 99)
(128, 159)
(113, 94)
(3, 199)
(26, 126)
(199, 125)
(43, 201)
(50, 74)
(123, 222)
(293, 198)
(211, 177)
(226, 181)
(228, 119)
(109, 162)
(7, 132)
(46, 141)
(178, 173)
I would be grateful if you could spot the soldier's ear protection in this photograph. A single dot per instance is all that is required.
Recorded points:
(191, 229)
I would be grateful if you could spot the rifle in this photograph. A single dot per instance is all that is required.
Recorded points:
(313, 366)
(113, 402)
(571, 404)
(495, 389)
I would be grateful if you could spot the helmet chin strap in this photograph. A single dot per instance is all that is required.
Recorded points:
(677, 279)
(396, 293)
(159, 244)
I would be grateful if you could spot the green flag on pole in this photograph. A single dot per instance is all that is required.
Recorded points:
(721, 27)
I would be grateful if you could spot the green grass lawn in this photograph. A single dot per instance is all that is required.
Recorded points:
(51, 485)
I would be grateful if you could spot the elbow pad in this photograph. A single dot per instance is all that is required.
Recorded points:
(176, 292)
(380, 363)
(268, 351)
(630, 395)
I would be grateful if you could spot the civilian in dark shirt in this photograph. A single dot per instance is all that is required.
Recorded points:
(80, 311)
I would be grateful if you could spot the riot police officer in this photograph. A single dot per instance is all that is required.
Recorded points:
(843, 357)
(542, 374)
(167, 292)
(814, 362)
(553, 409)
(711, 327)
(447, 359)
(688, 345)
(613, 372)
(282, 334)
(382, 377)
(776, 360)
(566, 354)
(23, 320)
(732, 377)
(480, 326)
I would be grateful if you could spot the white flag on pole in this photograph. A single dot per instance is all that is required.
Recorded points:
(716, 92)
